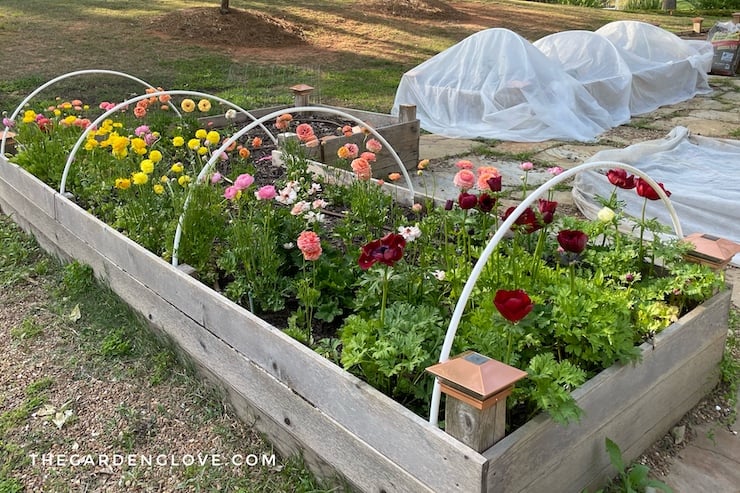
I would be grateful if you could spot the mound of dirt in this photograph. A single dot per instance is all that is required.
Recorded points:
(415, 9)
(238, 28)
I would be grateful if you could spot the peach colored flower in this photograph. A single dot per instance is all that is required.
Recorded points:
(371, 158)
(309, 244)
(312, 141)
(243, 152)
(423, 164)
(464, 164)
(485, 173)
(464, 179)
(139, 112)
(394, 176)
(347, 131)
(362, 169)
(256, 143)
(417, 207)
(304, 132)
(374, 145)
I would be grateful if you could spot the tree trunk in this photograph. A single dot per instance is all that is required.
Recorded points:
(225, 6)
(669, 4)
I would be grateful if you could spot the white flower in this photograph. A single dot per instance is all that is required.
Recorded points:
(287, 196)
(439, 275)
(314, 217)
(605, 215)
(288, 245)
(315, 188)
(230, 114)
(409, 233)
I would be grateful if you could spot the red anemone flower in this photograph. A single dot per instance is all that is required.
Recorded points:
(486, 202)
(494, 183)
(527, 220)
(547, 210)
(620, 178)
(467, 200)
(513, 305)
(572, 240)
(388, 250)
(645, 190)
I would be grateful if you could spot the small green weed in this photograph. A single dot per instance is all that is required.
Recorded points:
(635, 478)
(115, 344)
(28, 329)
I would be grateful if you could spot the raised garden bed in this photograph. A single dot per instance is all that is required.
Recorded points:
(341, 425)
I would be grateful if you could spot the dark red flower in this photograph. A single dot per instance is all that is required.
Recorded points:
(513, 305)
(645, 190)
(388, 250)
(467, 200)
(572, 240)
(494, 183)
(449, 204)
(620, 178)
(547, 210)
(486, 202)
(527, 220)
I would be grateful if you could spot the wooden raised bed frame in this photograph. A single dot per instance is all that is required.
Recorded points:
(343, 427)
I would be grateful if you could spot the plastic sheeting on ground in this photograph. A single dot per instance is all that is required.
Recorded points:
(701, 173)
(496, 84)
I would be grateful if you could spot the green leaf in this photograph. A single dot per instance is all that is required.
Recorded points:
(615, 455)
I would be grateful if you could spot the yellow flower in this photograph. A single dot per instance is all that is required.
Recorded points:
(183, 180)
(57, 112)
(147, 166)
(178, 141)
(91, 144)
(158, 189)
(69, 120)
(140, 178)
(155, 156)
(66, 105)
(187, 105)
(202, 151)
(200, 133)
(123, 183)
(138, 145)
(163, 179)
(204, 105)
(176, 168)
(213, 137)
(193, 144)
(119, 146)
(29, 116)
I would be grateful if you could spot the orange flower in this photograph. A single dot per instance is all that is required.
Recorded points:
(309, 244)
(256, 143)
(304, 132)
(231, 147)
(423, 164)
(243, 152)
(464, 164)
(347, 131)
(394, 176)
(362, 169)
(140, 111)
(485, 173)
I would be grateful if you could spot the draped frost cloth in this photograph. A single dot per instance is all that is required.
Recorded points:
(570, 86)
(496, 84)
(702, 174)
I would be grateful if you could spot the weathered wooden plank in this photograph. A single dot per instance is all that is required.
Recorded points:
(684, 361)
(27, 185)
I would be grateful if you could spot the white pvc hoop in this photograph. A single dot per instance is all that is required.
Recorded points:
(314, 109)
(67, 76)
(493, 243)
(83, 136)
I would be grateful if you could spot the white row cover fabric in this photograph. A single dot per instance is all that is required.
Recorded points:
(572, 85)
(701, 173)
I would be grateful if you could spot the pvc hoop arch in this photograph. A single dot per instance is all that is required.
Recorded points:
(493, 243)
(66, 76)
(298, 109)
(83, 136)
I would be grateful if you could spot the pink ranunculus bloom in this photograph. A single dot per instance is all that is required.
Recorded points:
(464, 179)
(309, 244)
(231, 192)
(150, 138)
(243, 181)
(369, 156)
(374, 146)
(362, 169)
(216, 178)
(353, 149)
(464, 164)
(266, 192)
(141, 130)
(526, 166)
(7, 122)
(555, 170)
(299, 208)
(304, 132)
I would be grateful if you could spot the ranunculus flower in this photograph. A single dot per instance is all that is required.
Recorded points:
(605, 215)
(204, 105)
(187, 105)
(353, 150)
(369, 156)
(547, 210)
(526, 166)
(464, 164)
(528, 219)
(256, 143)
(573, 241)
(388, 250)
(243, 181)
(620, 178)
(467, 200)
(309, 244)
(486, 202)
(362, 169)
(231, 192)
(216, 177)
(374, 146)
(644, 189)
(423, 164)
(513, 305)
(494, 183)
(266, 192)
(484, 174)
(409, 233)
(555, 170)
(304, 132)
(464, 179)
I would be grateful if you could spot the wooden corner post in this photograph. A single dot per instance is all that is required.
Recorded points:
(476, 388)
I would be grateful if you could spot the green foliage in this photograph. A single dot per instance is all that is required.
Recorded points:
(550, 383)
(635, 478)
(726, 5)
(115, 344)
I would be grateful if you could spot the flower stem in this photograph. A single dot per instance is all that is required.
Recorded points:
(385, 296)
(641, 247)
